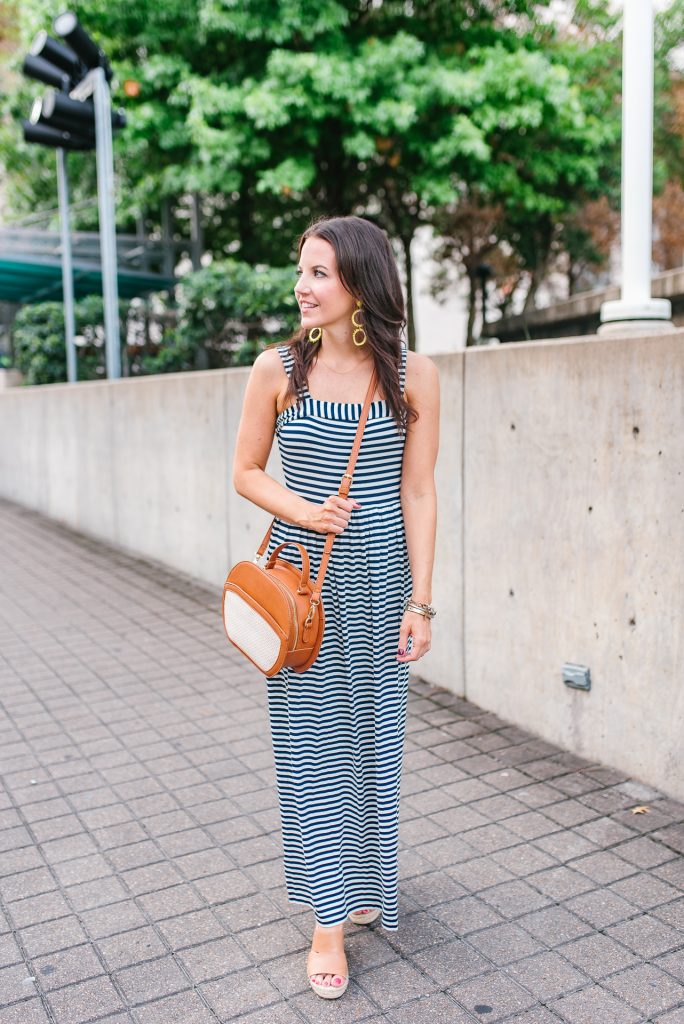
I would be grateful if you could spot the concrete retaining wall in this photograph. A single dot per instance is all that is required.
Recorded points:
(560, 526)
(574, 545)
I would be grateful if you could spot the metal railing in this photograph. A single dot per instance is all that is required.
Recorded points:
(135, 251)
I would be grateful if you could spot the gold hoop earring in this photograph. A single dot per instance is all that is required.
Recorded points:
(358, 328)
(315, 335)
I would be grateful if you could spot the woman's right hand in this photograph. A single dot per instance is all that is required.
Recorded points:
(333, 515)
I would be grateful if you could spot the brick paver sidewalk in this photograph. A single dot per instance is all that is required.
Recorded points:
(141, 875)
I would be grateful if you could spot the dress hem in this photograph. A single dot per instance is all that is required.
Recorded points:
(332, 924)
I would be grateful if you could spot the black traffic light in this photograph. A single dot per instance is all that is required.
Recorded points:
(68, 28)
(44, 135)
(64, 66)
(42, 114)
(59, 108)
(49, 50)
(43, 71)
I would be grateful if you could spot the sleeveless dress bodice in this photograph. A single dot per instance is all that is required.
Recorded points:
(315, 439)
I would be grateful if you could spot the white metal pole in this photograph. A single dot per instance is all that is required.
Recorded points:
(635, 304)
(105, 193)
(67, 271)
(637, 150)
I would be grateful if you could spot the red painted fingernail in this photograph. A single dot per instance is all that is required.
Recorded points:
(401, 650)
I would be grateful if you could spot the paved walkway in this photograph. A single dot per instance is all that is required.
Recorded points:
(140, 872)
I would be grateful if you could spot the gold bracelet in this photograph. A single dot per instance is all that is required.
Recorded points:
(421, 609)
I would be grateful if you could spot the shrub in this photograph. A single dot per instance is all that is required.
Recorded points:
(38, 340)
(232, 310)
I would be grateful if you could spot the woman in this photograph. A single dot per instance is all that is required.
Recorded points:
(338, 728)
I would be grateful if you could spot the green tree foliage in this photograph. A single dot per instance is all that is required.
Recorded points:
(276, 111)
(668, 130)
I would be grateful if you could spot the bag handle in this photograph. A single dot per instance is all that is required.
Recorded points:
(343, 491)
(303, 554)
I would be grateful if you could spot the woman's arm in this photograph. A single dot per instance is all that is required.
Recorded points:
(419, 497)
(253, 447)
(255, 440)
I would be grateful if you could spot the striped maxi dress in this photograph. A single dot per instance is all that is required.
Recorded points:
(338, 728)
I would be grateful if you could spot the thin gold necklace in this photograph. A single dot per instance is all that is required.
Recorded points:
(318, 359)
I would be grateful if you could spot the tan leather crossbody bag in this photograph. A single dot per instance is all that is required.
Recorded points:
(274, 614)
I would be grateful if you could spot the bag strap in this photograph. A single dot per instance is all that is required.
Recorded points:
(343, 491)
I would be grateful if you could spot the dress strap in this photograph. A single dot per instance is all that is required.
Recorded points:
(286, 357)
(288, 363)
(402, 367)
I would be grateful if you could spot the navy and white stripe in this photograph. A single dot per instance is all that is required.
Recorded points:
(338, 729)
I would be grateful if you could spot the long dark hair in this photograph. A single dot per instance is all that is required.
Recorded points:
(367, 269)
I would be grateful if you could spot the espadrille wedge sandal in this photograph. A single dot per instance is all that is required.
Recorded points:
(326, 963)
(364, 916)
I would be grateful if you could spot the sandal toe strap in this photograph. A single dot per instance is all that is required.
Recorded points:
(326, 963)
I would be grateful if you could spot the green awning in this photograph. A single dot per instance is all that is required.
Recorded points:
(36, 280)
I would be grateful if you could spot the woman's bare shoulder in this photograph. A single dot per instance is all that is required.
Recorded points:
(269, 364)
(422, 376)
(269, 371)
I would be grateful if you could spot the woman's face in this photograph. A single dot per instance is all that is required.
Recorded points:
(323, 299)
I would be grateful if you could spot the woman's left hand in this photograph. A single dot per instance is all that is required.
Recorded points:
(419, 628)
